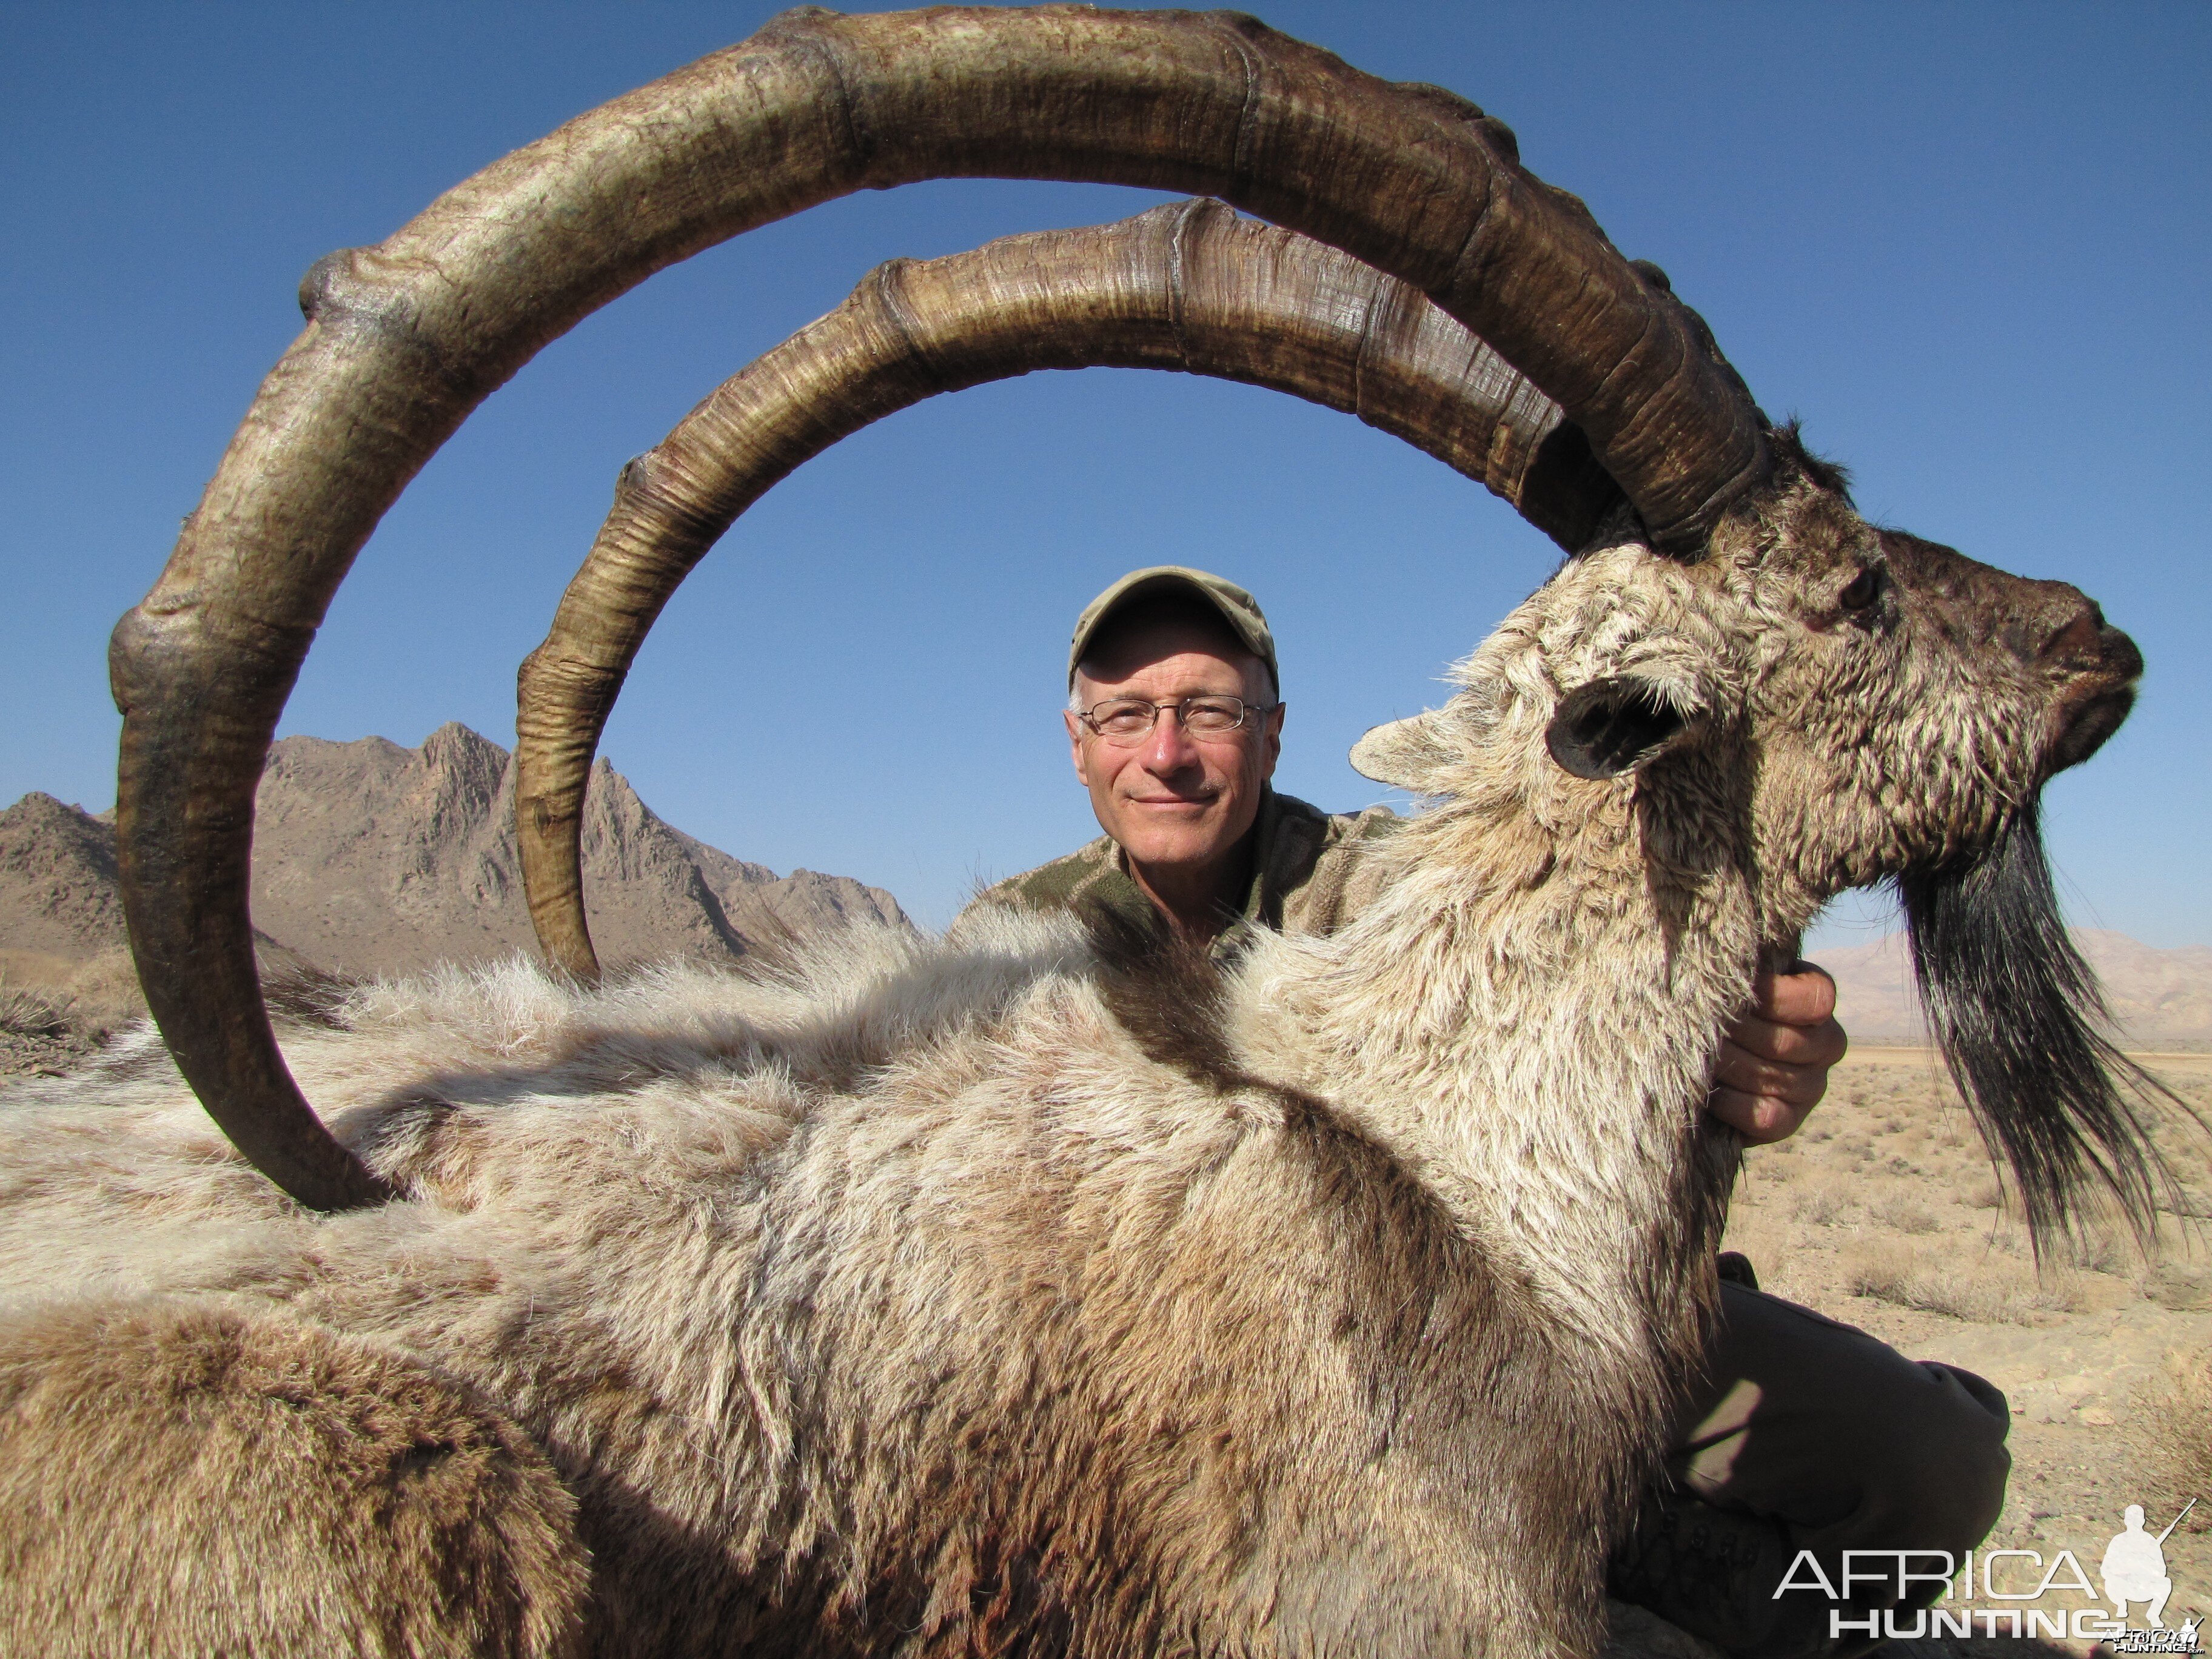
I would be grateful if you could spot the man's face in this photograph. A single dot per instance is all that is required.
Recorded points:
(1174, 801)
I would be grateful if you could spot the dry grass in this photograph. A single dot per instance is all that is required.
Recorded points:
(53, 1022)
(2170, 1439)
(30, 1013)
(1903, 1213)
(1990, 1289)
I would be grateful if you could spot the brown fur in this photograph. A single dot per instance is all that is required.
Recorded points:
(329, 1497)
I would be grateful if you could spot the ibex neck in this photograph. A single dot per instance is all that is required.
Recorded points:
(1527, 1018)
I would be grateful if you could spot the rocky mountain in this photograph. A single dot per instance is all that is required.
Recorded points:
(2158, 998)
(58, 897)
(370, 858)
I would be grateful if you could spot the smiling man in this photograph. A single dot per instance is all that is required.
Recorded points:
(1802, 1433)
(1176, 741)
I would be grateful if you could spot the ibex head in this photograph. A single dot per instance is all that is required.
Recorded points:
(1835, 705)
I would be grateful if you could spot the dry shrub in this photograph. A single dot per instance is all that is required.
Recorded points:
(2183, 1133)
(2105, 1251)
(36, 1034)
(56, 1020)
(1903, 1213)
(1987, 1194)
(1886, 1274)
(2169, 1439)
(30, 1013)
(1985, 1291)
(104, 994)
(1818, 1202)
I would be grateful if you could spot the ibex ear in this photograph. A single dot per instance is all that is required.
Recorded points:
(1408, 754)
(1610, 726)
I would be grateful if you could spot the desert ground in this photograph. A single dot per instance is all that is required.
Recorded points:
(1884, 1213)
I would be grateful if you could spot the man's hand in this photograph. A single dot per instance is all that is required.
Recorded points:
(1773, 1065)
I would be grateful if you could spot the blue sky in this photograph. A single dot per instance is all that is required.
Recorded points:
(1966, 243)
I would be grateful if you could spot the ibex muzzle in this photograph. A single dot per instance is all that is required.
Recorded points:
(2052, 628)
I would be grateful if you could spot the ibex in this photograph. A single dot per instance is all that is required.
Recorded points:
(1034, 1290)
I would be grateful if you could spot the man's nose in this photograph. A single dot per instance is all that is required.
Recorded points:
(1168, 747)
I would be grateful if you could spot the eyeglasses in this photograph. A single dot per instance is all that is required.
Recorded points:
(1125, 722)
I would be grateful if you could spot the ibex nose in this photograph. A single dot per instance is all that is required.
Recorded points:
(2078, 641)
(2083, 640)
(2051, 625)
(2098, 666)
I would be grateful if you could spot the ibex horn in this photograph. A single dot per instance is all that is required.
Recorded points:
(405, 338)
(1190, 287)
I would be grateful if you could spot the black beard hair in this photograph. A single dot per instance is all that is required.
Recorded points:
(2022, 1025)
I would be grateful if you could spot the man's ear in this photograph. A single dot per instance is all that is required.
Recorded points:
(1609, 727)
(1271, 738)
(1409, 754)
(1075, 745)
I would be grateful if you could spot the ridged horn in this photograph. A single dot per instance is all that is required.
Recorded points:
(405, 338)
(1190, 287)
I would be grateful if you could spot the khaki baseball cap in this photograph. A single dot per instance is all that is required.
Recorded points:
(1237, 608)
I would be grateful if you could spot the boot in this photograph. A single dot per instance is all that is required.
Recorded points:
(1713, 1572)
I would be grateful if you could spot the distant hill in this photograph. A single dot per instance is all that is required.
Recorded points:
(2158, 998)
(58, 897)
(369, 858)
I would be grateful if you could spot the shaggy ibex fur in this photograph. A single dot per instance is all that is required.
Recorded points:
(1031, 1291)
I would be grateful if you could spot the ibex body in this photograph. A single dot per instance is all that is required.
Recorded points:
(1023, 1291)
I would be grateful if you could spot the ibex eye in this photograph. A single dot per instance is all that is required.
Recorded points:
(1865, 589)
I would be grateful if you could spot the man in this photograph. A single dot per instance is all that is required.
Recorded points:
(1804, 1433)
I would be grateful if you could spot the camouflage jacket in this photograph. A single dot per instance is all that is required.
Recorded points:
(1308, 874)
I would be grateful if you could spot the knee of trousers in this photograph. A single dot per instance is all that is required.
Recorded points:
(1935, 1475)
